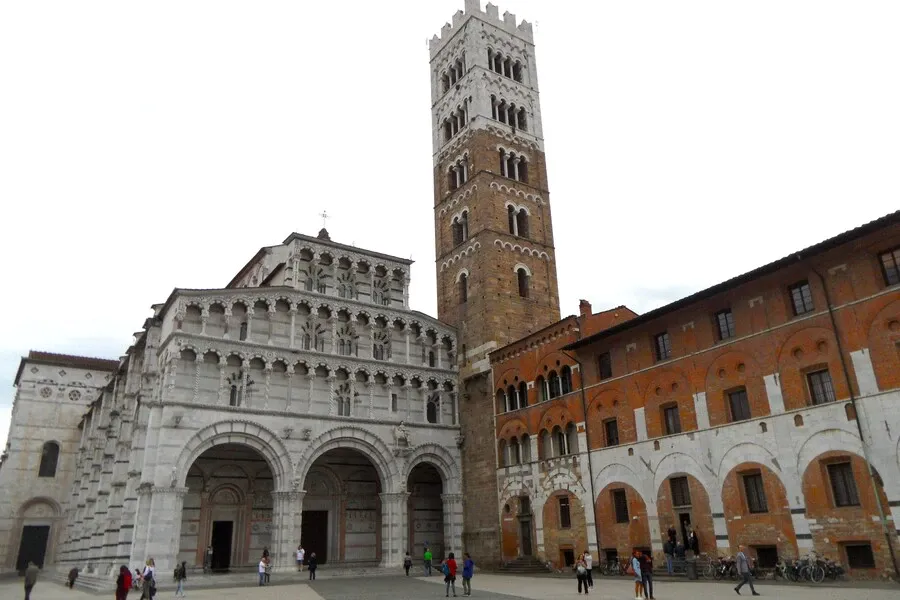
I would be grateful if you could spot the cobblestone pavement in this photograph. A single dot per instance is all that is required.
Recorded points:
(489, 587)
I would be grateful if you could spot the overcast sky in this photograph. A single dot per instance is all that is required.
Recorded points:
(146, 146)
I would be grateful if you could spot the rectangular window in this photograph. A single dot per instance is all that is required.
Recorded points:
(620, 502)
(604, 361)
(859, 556)
(766, 556)
(663, 347)
(565, 517)
(890, 266)
(725, 324)
(681, 493)
(843, 485)
(740, 406)
(801, 298)
(612, 432)
(820, 388)
(756, 494)
(568, 556)
(672, 419)
(394, 402)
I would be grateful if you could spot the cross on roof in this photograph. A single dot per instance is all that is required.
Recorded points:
(325, 218)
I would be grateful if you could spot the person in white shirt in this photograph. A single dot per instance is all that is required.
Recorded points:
(589, 564)
(262, 571)
(301, 553)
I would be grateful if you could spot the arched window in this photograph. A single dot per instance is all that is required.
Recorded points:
(554, 386)
(343, 400)
(309, 284)
(243, 333)
(431, 360)
(515, 455)
(511, 219)
(521, 121)
(545, 445)
(571, 439)
(523, 395)
(233, 396)
(49, 459)
(559, 442)
(521, 172)
(541, 385)
(566, 379)
(501, 401)
(501, 454)
(513, 400)
(522, 223)
(523, 278)
(463, 288)
(526, 448)
(431, 409)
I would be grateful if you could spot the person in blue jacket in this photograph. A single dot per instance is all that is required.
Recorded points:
(468, 571)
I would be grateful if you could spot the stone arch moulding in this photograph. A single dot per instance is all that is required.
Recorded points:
(619, 473)
(461, 273)
(247, 433)
(522, 266)
(441, 459)
(747, 452)
(36, 501)
(677, 463)
(353, 438)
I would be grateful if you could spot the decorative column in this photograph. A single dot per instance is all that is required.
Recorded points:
(440, 406)
(222, 365)
(311, 378)
(271, 314)
(425, 394)
(227, 322)
(289, 373)
(198, 360)
(204, 317)
(371, 387)
(406, 277)
(453, 511)
(268, 371)
(330, 380)
(372, 341)
(245, 374)
(406, 333)
(293, 313)
(408, 387)
(352, 382)
(250, 313)
(515, 173)
(394, 526)
(334, 346)
(437, 352)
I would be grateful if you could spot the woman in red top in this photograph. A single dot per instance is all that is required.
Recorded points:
(450, 574)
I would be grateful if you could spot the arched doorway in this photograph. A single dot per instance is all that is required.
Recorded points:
(342, 508)
(426, 511)
(228, 507)
(36, 520)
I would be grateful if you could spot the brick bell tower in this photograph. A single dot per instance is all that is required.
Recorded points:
(496, 265)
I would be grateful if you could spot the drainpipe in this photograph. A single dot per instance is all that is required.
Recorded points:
(587, 436)
(862, 438)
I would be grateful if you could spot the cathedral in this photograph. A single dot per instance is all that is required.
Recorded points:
(306, 401)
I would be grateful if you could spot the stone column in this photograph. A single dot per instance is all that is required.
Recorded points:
(405, 289)
(334, 345)
(371, 387)
(311, 378)
(204, 317)
(293, 313)
(287, 516)
(331, 394)
(162, 524)
(222, 366)
(228, 316)
(408, 387)
(250, 313)
(245, 374)
(271, 315)
(289, 373)
(268, 371)
(406, 333)
(198, 360)
(394, 525)
(453, 511)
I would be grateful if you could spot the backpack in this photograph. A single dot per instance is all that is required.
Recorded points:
(445, 569)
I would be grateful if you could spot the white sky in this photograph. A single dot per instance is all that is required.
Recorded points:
(146, 146)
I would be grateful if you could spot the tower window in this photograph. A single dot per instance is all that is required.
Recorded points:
(505, 65)
(460, 227)
(521, 121)
(620, 502)
(513, 166)
(463, 288)
(725, 324)
(49, 460)
(565, 517)
(458, 174)
(243, 333)
(522, 276)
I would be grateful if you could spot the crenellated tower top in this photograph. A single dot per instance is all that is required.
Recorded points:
(490, 14)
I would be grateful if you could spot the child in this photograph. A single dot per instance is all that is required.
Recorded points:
(407, 563)
(311, 564)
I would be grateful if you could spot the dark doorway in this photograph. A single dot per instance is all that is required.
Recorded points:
(221, 545)
(684, 522)
(33, 547)
(525, 526)
(314, 534)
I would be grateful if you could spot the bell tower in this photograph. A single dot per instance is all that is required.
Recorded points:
(496, 264)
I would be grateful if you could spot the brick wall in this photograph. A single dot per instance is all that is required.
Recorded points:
(622, 537)
(558, 538)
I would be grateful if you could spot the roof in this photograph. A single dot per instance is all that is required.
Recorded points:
(328, 242)
(889, 220)
(65, 360)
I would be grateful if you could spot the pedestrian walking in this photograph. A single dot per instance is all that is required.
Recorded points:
(426, 558)
(647, 574)
(73, 575)
(148, 580)
(123, 583)
(207, 560)
(468, 573)
(301, 554)
(180, 577)
(669, 551)
(311, 566)
(743, 569)
(694, 543)
(581, 574)
(589, 565)
(31, 575)
(262, 571)
(448, 567)
(407, 563)
(638, 578)
(268, 561)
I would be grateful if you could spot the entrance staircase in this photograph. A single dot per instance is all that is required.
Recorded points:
(525, 565)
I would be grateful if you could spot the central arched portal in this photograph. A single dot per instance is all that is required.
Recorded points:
(342, 508)
(228, 507)
(426, 511)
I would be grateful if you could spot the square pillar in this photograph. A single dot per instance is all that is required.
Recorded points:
(287, 518)
(394, 528)
(453, 511)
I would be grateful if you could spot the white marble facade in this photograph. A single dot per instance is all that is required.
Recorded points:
(305, 387)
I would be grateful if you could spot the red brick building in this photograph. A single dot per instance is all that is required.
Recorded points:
(762, 411)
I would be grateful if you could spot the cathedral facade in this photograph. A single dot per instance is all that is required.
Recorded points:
(302, 401)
